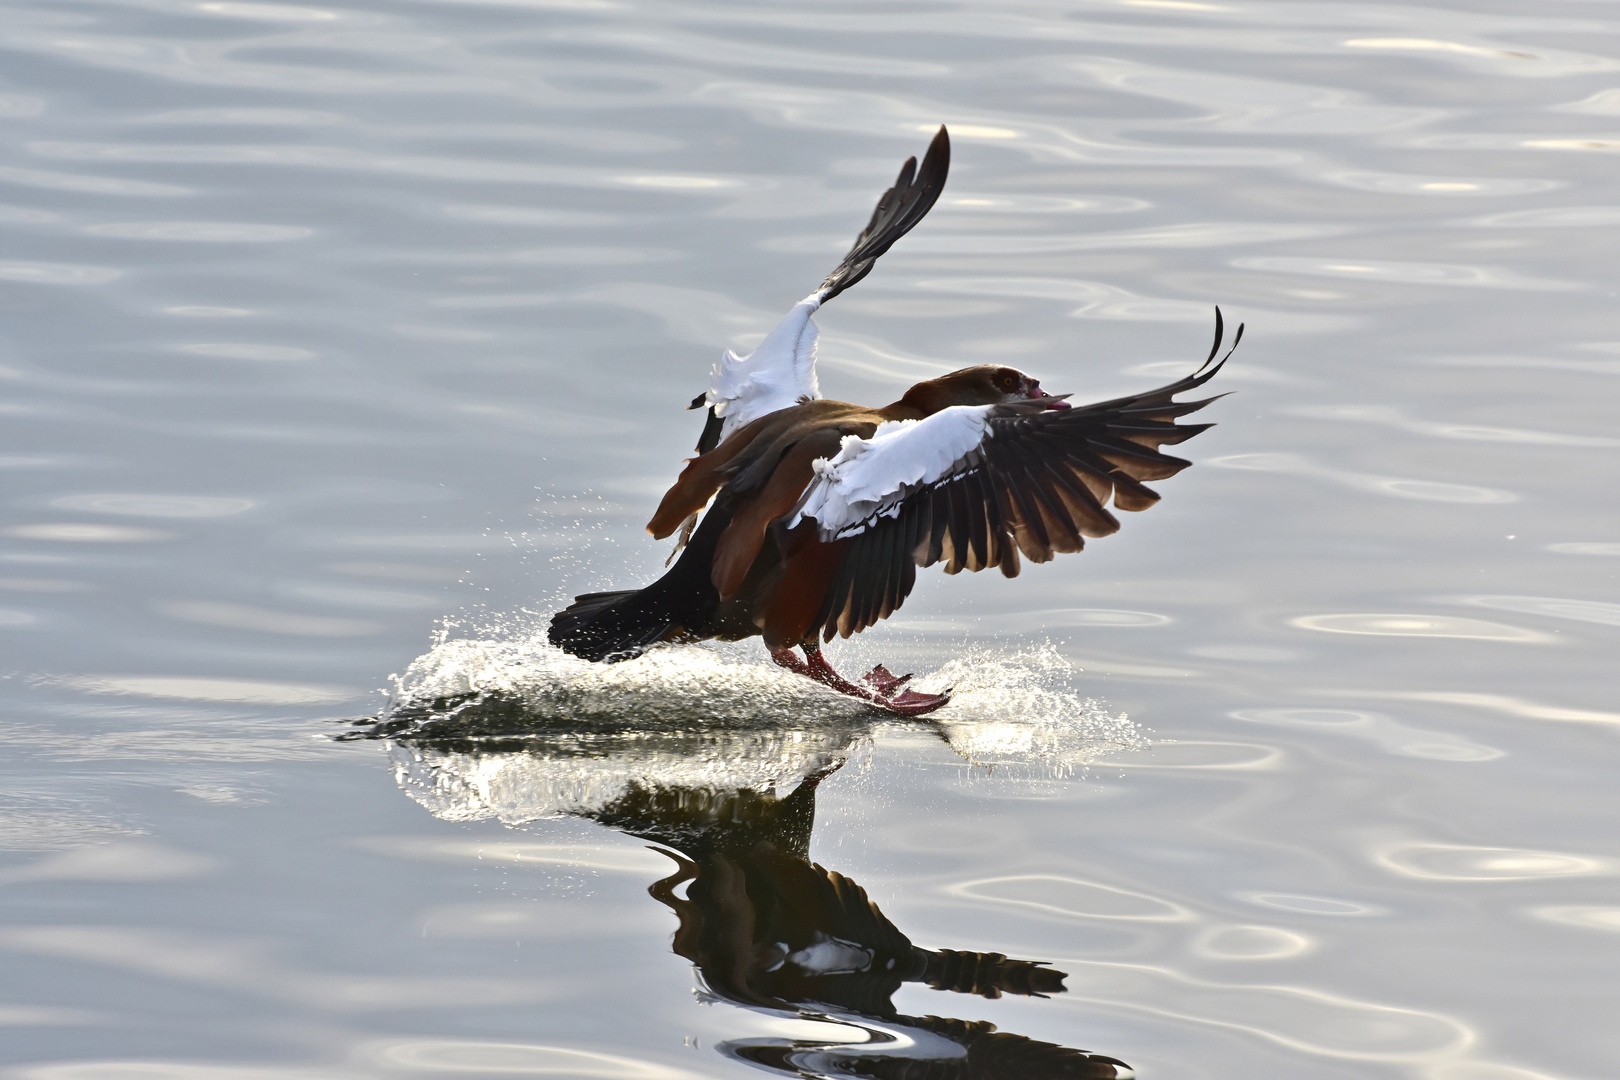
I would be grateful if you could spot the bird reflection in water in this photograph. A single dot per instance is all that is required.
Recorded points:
(768, 928)
(764, 926)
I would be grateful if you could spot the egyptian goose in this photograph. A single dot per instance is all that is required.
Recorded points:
(823, 510)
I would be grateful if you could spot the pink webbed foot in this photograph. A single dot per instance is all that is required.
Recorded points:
(888, 686)
(880, 687)
(911, 703)
(883, 682)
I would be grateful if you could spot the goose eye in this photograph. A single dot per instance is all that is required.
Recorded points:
(1008, 382)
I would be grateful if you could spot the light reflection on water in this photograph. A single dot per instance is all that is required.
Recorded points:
(341, 335)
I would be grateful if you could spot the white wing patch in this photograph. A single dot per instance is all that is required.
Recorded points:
(777, 375)
(869, 478)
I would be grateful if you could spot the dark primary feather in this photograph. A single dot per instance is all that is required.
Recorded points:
(1038, 484)
(898, 210)
(914, 193)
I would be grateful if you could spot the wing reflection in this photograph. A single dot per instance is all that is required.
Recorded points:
(764, 926)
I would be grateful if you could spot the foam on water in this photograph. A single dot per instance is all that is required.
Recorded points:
(1018, 709)
(1029, 686)
(518, 730)
(666, 688)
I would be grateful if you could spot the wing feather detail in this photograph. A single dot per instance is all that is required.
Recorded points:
(973, 487)
(781, 372)
(914, 193)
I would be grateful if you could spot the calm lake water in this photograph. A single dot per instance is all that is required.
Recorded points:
(342, 343)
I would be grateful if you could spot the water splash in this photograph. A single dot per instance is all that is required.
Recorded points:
(720, 714)
(666, 688)
(1018, 711)
(517, 730)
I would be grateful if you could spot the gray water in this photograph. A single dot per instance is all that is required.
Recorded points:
(341, 343)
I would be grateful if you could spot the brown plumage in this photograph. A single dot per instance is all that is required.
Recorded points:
(1038, 483)
(1022, 475)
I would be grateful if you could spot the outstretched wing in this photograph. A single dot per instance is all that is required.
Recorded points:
(914, 193)
(781, 372)
(973, 487)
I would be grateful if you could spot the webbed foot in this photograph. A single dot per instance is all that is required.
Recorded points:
(879, 688)
(884, 682)
(911, 703)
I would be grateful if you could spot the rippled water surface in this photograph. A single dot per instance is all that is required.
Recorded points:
(341, 343)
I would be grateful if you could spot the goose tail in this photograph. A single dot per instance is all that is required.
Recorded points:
(607, 627)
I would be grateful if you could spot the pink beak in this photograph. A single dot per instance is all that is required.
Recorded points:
(1035, 391)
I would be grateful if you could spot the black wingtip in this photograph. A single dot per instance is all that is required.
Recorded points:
(908, 173)
(1205, 371)
(936, 166)
(1236, 338)
(898, 210)
(1219, 333)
